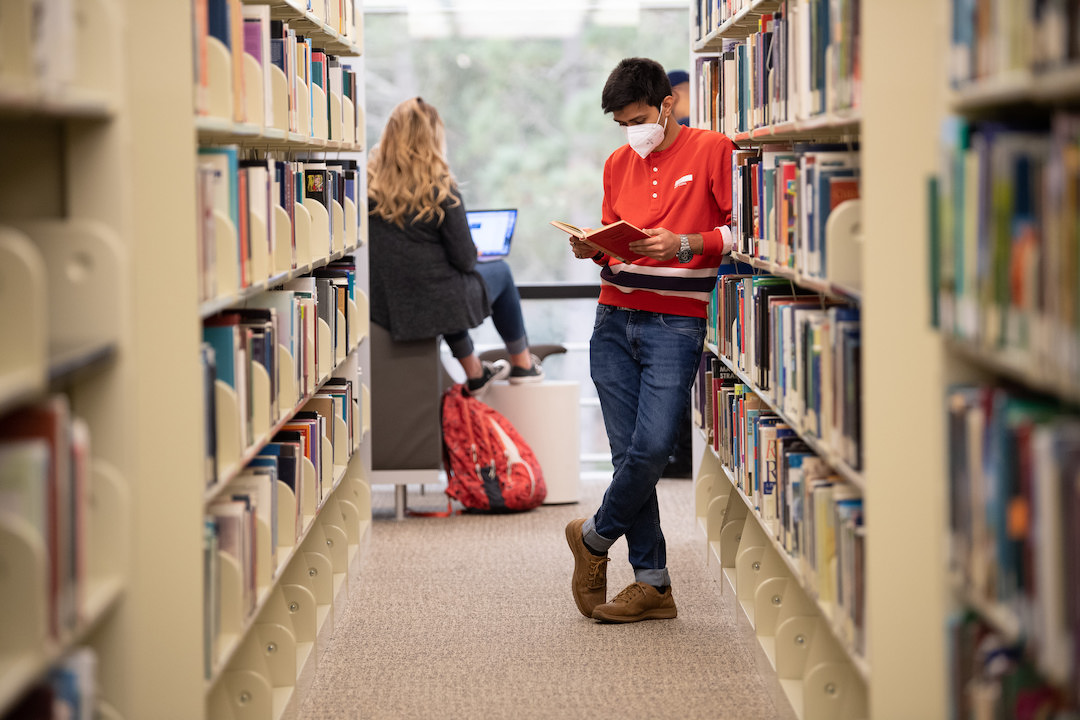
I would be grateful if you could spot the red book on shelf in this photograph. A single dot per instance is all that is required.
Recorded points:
(841, 189)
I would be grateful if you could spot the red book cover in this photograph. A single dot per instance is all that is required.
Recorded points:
(841, 189)
(613, 239)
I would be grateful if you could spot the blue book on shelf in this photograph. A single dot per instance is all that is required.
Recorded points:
(820, 80)
(963, 39)
(223, 340)
(277, 44)
(218, 20)
(283, 456)
(769, 482)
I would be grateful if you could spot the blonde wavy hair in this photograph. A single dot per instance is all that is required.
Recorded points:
(407, 171)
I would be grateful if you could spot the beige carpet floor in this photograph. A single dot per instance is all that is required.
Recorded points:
(471, 617)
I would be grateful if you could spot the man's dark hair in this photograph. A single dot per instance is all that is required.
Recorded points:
(635, 80)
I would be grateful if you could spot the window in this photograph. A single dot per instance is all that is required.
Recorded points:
(518, 86)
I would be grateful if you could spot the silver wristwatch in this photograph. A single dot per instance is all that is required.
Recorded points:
(685, 254)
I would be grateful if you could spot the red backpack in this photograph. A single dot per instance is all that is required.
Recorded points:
(488, 464)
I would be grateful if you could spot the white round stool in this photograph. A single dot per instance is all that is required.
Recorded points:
(548, 416)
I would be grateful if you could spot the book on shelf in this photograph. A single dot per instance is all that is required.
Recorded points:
(211, 594)
(782, 197)
(284, 196)
(52, 60)
(1014, 509)
(221, 168)
(984, 50)
(312, 429)
(305, 76)
(61, 486)
(317, 186)
(613, 239)
(67, 690)
(1005, 258)
(24, 467)
(286, 457)
(200, 23)
(241, 338)
(234, 520)
(349, 174)
(236, 48)
(799, 499)
(206, 232)
(799, 60)
(257, 45)
(283, 56)
(334, 88)
(74, 683)
(802, 353)
(990, 675)
(290, 329)
(257, 176)
(818, 165)
(293, 445)
(248, 30)
(257, 485)
(324, 406)
(243, 191)
(224, 23)
(341, 389)
(305, 294)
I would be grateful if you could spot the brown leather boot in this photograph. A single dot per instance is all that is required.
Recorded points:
(589, 584)
(637, 601)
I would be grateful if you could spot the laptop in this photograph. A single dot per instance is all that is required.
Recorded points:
(491, 232)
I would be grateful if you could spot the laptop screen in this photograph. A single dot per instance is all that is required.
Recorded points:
(491, 232)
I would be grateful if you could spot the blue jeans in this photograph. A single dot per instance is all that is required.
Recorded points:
(643, 365)
(505, 311)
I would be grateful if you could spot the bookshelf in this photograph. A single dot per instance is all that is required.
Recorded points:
(261, 659)
(902, 670)
(98, 250)
(64, 275)
(1012, 399)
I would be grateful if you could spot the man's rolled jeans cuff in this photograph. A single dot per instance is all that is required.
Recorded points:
(593, 539)
(657, 577)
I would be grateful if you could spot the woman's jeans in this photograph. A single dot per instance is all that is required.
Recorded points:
(505, 311)
(643, 365)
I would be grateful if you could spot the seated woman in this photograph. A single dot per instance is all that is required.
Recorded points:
(425, 280)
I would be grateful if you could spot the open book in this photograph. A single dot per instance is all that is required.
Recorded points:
(613, 239)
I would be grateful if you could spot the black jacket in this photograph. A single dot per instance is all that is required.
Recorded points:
(423, 280)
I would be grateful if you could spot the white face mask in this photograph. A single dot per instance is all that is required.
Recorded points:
(646, 136)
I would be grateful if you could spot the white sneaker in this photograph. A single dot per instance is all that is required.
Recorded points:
(535, 374)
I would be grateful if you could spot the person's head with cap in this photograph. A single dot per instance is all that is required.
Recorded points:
(680, 89)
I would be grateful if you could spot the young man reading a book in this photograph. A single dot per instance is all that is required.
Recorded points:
(673, 182)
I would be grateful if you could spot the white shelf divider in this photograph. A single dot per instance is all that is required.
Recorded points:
(219, 100)
(23, 364)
